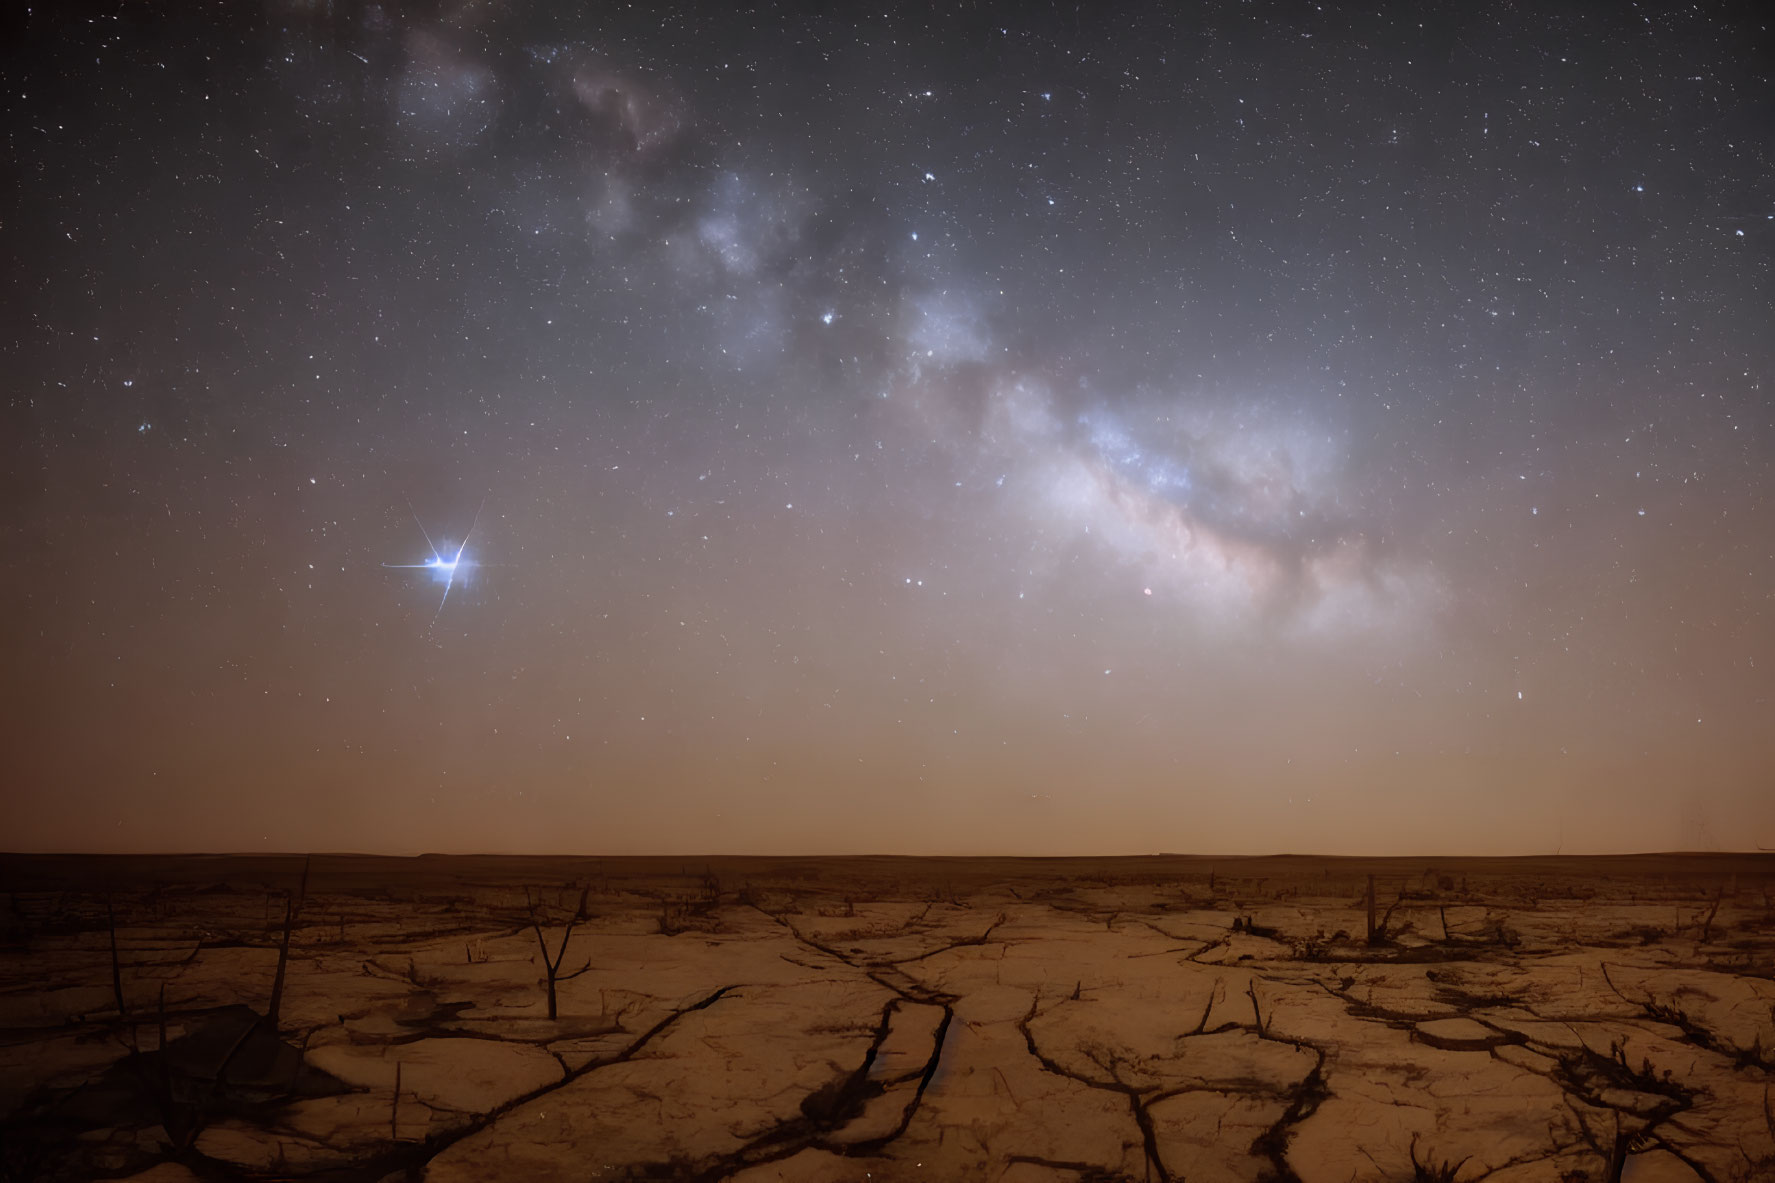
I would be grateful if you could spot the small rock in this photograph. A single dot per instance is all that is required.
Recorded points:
(1459, 1035)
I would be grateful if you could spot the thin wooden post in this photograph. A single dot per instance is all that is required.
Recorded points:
(1371, 928)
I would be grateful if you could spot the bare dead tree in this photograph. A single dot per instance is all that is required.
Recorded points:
(1256, 1011)
(1707, 923)
(1373, 932)
(116, 965)
(552, 966)
(292, 905)
(1377, 929)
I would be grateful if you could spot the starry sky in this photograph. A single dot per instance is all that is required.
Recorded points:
(955, 428)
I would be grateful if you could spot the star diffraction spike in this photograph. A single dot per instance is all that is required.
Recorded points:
(444, 565)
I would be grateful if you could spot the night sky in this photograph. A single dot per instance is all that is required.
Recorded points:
(1242, 427)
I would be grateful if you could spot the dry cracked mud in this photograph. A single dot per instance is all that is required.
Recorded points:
(1155, 1019)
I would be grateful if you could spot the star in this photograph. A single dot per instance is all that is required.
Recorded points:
(444, 565)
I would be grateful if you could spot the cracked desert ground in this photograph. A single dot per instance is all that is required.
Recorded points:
(1013, 1020)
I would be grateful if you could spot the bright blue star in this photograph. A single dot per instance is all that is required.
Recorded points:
(446, 565)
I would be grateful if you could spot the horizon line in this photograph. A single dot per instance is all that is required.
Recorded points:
(711, 855)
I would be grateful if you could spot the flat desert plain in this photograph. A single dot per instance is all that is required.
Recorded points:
(1543, 1020)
